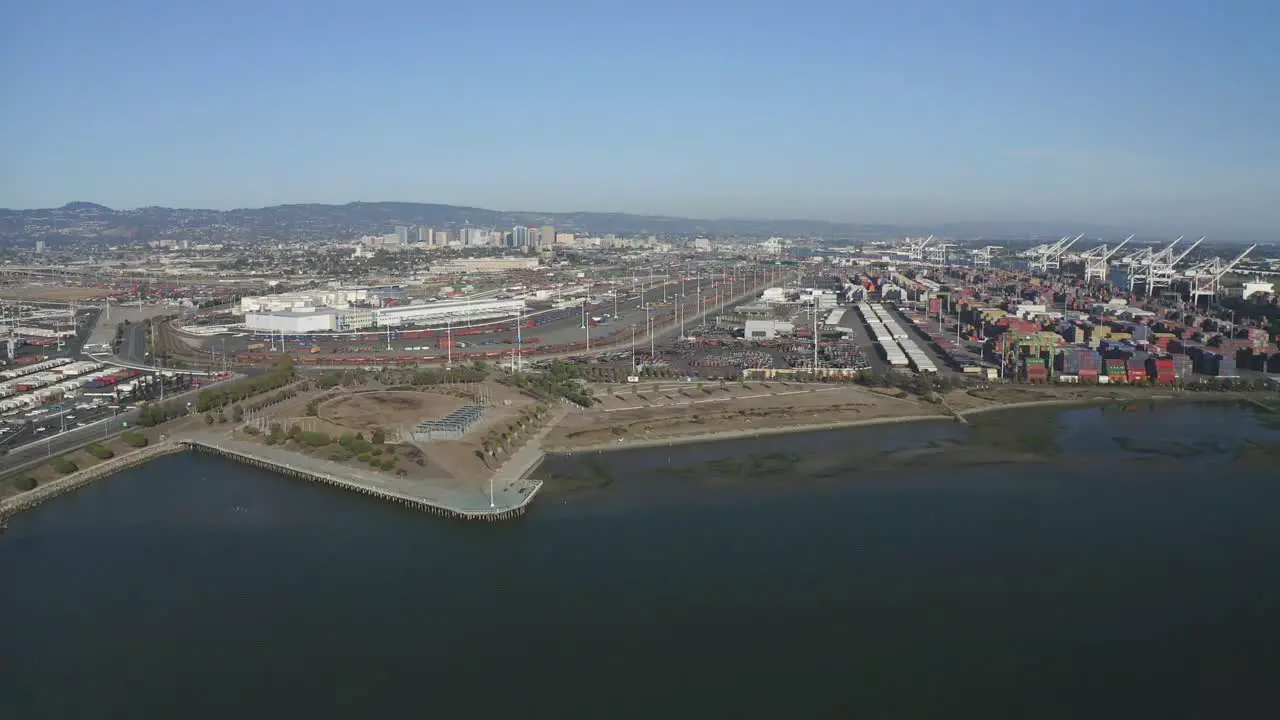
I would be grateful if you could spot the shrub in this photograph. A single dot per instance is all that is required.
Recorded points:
(26, 483)
(64, 466)
(134, 438)
(378, 436)
(313, 439)
(364, 457)
(99, 452)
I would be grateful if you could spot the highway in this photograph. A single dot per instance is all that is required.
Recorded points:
(25, 447)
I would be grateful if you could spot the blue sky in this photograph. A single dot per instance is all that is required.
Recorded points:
(1129, 111)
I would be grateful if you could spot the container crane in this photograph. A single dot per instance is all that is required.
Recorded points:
(982, 256)
(1050, 258)
(1097, 261)
(915, 249)
(1207, 282)
(1139, 264)
(1160, 270)
(938, 254)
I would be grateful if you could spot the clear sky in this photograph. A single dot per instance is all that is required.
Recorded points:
(1121, 111)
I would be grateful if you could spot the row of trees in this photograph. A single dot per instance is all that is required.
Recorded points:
(561, 380)
(508, 438)
(155, 413)
(280, 375)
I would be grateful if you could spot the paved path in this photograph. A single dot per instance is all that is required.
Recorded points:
(511, 474)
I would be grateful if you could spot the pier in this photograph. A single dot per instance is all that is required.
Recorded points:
(509, 501)
(424, 496)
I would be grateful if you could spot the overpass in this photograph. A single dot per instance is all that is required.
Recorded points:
(117, 362)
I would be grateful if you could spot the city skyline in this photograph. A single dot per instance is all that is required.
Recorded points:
(1131, 114)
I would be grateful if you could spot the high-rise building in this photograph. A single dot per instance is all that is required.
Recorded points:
(402, 234)
(519, 236)
(547, 236)
(424, 235)
(39, 246)
(441, 237)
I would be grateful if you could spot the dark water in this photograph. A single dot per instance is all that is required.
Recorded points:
(1134, 572)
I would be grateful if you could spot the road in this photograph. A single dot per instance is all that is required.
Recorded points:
(54, 443)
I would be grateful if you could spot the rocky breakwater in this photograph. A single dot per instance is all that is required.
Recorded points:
(80, 478)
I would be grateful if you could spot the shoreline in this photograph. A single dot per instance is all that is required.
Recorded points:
(958, 416)
(1102, 402)
(11, 506)
(528, 466)
(749, 433)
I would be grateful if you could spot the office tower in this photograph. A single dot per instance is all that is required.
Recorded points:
(402, 234)
(519, 236)
(424, 235)
(547, 236)
(39, 246)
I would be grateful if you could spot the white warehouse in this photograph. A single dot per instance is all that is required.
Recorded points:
(292, 322)
(314, 299)
(305, 321)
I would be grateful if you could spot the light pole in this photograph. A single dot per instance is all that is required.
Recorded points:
(652, 354)
(633, 349)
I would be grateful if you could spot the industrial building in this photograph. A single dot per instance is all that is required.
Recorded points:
(484, 265)
(303, 300)
(441, 313)
(766, 329)
(293, 322)
(305, 321)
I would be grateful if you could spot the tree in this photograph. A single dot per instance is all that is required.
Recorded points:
(378, 436)
(208, 418)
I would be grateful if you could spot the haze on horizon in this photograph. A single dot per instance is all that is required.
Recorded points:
(1130, 112)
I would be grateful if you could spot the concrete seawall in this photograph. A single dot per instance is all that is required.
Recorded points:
(81, 478)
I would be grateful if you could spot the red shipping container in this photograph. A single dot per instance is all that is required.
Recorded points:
(1137, 376)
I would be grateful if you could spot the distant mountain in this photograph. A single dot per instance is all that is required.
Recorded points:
(86, 220)
(82, 220)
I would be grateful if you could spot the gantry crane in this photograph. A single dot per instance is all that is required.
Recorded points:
(938, 253)
(982, 256)
(1139, 265)
(1206, 279)
(915, 248)
(1160, 267)
(1097, 261)
(1050, 258)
